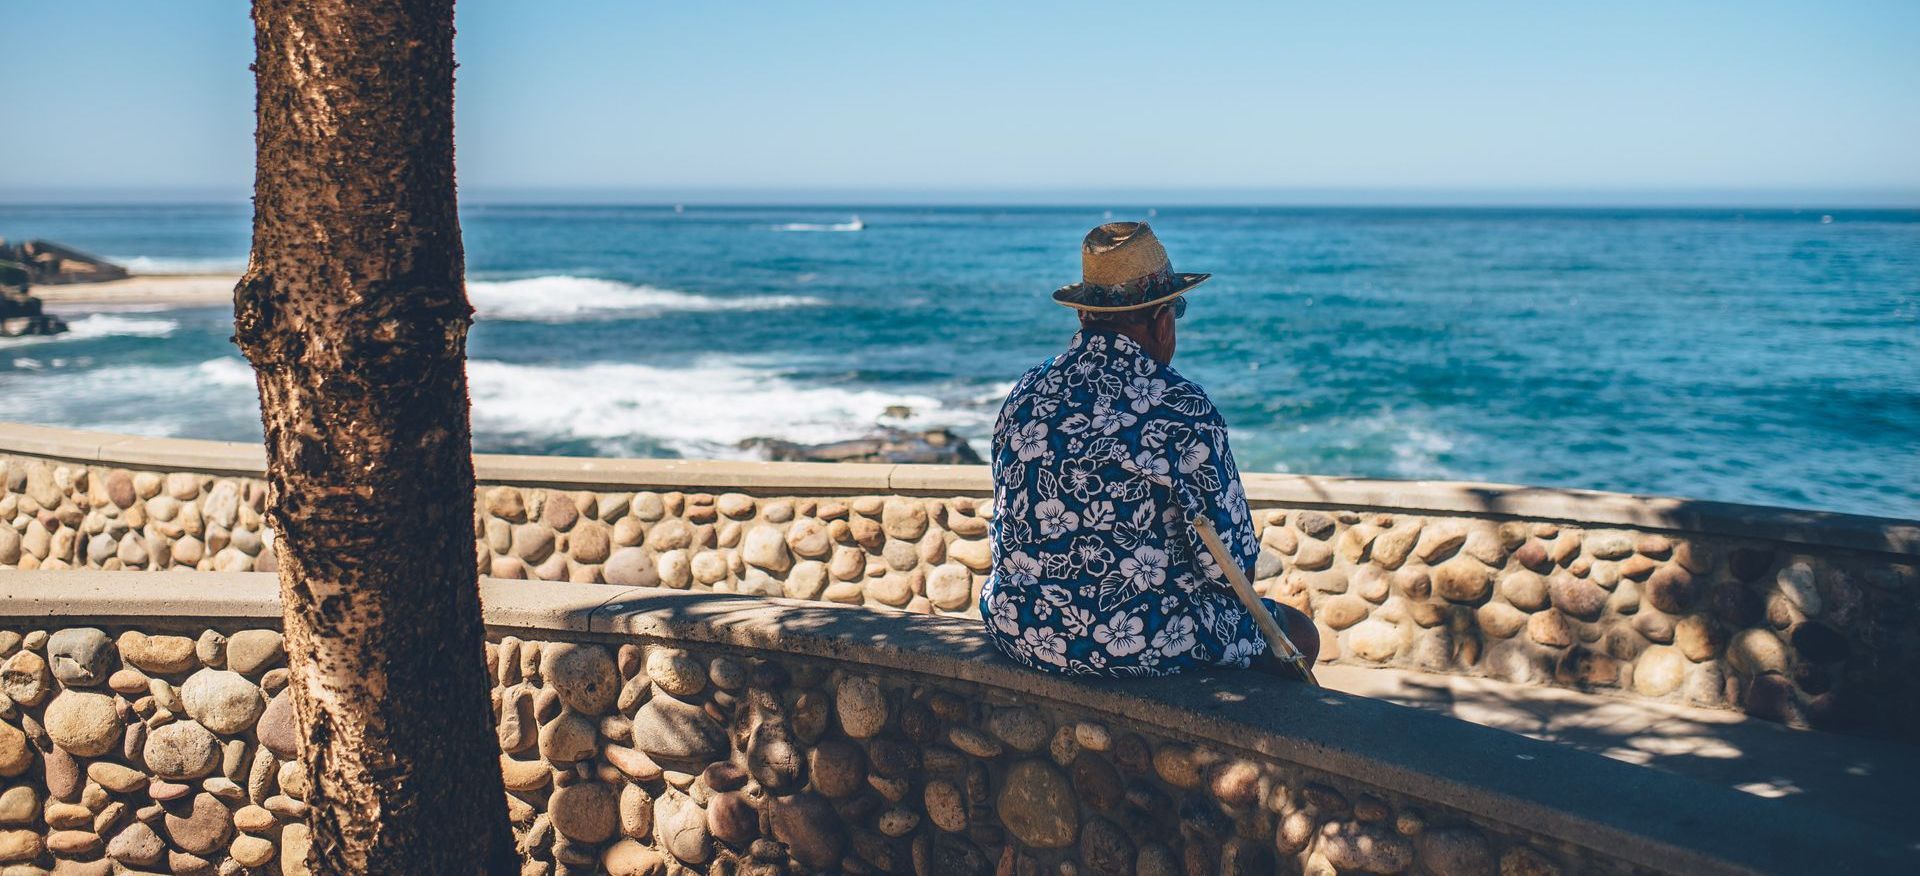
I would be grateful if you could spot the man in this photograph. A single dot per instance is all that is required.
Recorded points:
(1103, 456)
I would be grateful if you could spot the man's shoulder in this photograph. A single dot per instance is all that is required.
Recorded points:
(1188, 398)
(1032, 379)
(1174, 378)
(1020, 394)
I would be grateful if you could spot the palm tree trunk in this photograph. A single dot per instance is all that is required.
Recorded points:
(354, 315)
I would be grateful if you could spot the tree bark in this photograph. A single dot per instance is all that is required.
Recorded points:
(354, 315)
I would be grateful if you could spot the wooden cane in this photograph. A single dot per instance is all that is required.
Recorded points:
(1277, 641)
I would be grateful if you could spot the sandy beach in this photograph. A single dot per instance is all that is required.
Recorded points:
(164, 289)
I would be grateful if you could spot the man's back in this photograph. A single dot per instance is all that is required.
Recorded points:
(1102, 456)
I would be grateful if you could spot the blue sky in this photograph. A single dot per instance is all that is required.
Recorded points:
(1282, 101)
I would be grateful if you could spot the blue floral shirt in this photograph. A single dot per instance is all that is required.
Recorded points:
(1101, 458)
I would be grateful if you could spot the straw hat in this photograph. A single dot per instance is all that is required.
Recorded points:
(1124, 267)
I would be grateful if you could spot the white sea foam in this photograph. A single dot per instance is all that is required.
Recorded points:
(107, 325)
(563, 298)
(211, 399)
(100, 325)
(163, 265)
(1418, 453)
(1414, 447)
(855, 225)
(703, 410)
(228, 371)
(995, 394)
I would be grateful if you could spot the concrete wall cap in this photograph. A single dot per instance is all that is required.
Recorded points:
(69, 595)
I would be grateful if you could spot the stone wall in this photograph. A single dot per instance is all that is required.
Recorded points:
(708, 759)
(1801, 618)
(162, 753)
(152, 740)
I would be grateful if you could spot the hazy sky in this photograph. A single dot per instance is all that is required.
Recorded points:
(1230, 97)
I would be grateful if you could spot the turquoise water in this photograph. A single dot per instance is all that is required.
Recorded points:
(1769, 357)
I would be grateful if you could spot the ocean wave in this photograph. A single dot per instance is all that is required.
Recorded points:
(166, 265)
(97, 326)
(226, 371)
(1408, 446)
(1418, 454)
(994, 395)
(703, 410)
(563, 298)
(209, 399)
(107, 325)
(855, 225)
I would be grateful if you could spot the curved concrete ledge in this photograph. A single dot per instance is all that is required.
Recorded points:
(228, 458)
(1593, 802)
(1553, 801)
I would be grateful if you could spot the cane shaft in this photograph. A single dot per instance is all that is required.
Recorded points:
(1276, 637)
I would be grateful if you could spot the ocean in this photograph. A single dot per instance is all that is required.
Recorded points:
(1758, 356)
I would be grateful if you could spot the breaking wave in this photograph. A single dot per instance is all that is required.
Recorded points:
(100, 325)
(209, 399)
(563, 298)
(107, 325)
(158, 265)
(226, 371)
(855, 225)
(703, 410)
(1411, 447)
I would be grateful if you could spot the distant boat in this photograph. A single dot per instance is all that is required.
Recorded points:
(855, 225)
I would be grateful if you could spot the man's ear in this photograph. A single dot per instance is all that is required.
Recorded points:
(1163, 323)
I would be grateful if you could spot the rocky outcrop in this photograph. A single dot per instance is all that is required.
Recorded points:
(887, 445)
(20, 313)
(37, 261)
(51, 264)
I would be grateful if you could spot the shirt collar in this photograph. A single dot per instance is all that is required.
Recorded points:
(1115, 340)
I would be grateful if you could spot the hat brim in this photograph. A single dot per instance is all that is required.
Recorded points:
(1071, 296)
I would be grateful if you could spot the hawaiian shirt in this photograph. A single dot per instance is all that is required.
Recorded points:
(1101, 458)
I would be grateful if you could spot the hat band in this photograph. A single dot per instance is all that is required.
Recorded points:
(1139, 290)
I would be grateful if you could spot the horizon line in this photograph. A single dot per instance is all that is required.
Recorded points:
(1734, 198)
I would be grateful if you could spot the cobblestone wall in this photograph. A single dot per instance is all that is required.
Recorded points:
(1791, 632)
(127, 751)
